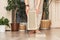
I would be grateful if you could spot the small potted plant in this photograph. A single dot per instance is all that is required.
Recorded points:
(3, 23)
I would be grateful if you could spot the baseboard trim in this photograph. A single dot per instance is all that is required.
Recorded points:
(55, 27)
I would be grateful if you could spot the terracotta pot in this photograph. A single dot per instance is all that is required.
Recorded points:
(45, 24)
(14, 26)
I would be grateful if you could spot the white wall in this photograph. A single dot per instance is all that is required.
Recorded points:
(3, 12)
(54, 13)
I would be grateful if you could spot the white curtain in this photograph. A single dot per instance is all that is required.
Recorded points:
(54, 13)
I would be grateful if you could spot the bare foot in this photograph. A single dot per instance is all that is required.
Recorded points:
(38, 31)
(31, 32)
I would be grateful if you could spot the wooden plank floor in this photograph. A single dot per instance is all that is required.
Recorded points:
(53, 34)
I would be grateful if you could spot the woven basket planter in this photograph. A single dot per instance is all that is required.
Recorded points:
(45, 24)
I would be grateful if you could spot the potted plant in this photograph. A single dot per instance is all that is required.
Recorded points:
(3, 23)
(14, 5)
(45, 22)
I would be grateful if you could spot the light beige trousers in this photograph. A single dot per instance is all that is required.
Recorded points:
(33, 21)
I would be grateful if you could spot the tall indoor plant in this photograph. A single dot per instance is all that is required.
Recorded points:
(46, 23)
(13, 5)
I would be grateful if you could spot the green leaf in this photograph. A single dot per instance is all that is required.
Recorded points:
(4, 21)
